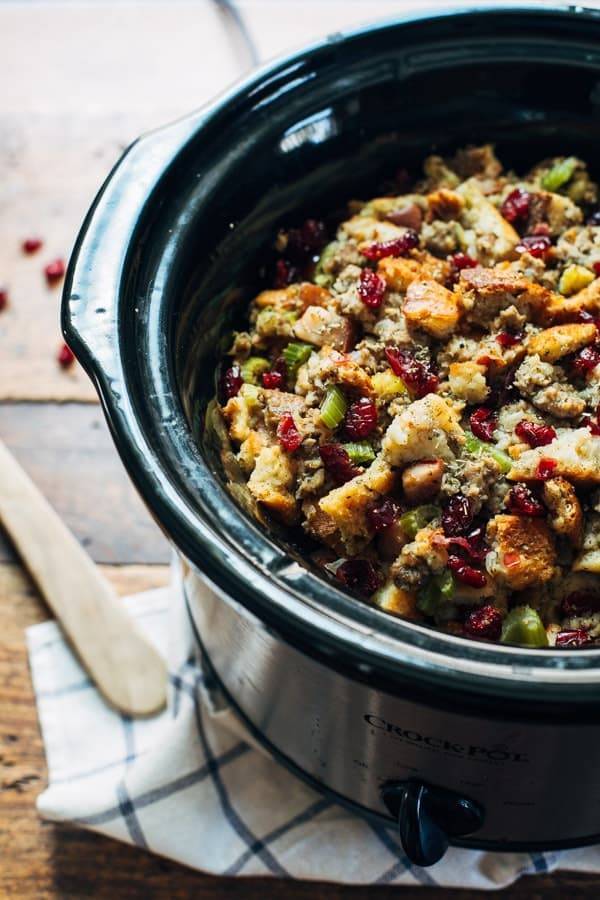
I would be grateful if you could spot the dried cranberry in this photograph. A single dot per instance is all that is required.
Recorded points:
(592, 423)
(285, 274)
(577, 638)
(400, 246)
(277, 376)
(521, 501)
(594, 219)
(483, 423)
(516, 206)
(417, 376)
(408, 216)
(358, 575)
(462, 261)
(586, 360)
(582, 315)
(473, 545)
(383, 514)
(361, 419)
(596, 268)
(466, 573)
(54, 271)
(535, 244)
(509, 338)
(306, 241)
(457, 515)
(231, 382)
(545, 469)
(579, 603)
(288, 435)
(535, 435)
(3, 298)
(31, 245)
(485, 622)
(371, 288)
(338, 463)
(65, 357)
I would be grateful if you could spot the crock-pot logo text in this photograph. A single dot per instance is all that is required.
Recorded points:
(496, 753)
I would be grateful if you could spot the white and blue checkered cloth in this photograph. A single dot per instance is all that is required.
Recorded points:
(191, 785)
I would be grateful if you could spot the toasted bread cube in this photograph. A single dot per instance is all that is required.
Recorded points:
(294, 297)
(588, 300)
(250, 450)
(393, 599)
(348, 504)
(566, 515)
(589, 559)
(485, 220)
(523, 552)
(487, 291)
(445, 204)
(239, 412)
(432, 308)
(320, 326)
(422, 480)
(400, 272)
(368, 229)
(576, 454)
(467, 381)
(560, 340)
(271, 483)
(427, 428)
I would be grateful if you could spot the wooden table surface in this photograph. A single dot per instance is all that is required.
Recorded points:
(79, 81)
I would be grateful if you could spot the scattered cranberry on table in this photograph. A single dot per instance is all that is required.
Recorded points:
(54, 271)
(65, 357)
(3, 298)
(31, 245)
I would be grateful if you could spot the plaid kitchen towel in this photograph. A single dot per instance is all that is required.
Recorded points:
(191, 785)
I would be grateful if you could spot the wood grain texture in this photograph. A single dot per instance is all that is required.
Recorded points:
(69, 453)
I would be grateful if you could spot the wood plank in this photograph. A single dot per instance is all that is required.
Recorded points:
(69, 453)
(42, 860)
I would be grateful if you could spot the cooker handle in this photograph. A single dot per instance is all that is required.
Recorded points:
(428, 817)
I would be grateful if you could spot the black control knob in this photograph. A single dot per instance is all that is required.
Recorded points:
(429, 817)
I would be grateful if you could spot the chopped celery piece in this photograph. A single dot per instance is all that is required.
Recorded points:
(445, 584)
(253, 367)
(428, 599)
(334, 406)
(296, 354)
(475, 446)
(559, 174)
(523, 626)
(360, 452)
(412, 521)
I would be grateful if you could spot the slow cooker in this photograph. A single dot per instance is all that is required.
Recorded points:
(460, 742)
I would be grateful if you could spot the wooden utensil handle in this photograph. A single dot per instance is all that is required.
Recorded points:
(126, 668)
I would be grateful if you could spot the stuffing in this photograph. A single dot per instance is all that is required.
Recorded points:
(322, 326)
(400, 272)
(348, 505)
(432, 308)
(589, 559)
(426, 412)
(523, 552)
(553, 343)
(392, 599)
(565, 513)
(575, 455)
(422, 481)
(271, 483)
(491, 237)
(427, 428)
(467, 381)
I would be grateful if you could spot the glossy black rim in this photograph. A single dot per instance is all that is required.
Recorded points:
(197, 513)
